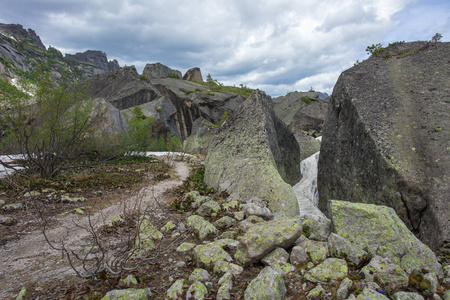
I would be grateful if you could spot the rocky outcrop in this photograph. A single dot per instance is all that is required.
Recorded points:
(255, 155)
(109, 121)
(201, 135)
(158, 70)
(93, 62)
(385, 139)
(17, 31)
(193, 74)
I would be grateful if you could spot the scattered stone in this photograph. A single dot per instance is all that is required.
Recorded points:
(317, 251)
(175, 234)
(389, 237)
(239, 215)
(276, 257)
(181, 227)
(342, 292)
(199, 275)
(196, 198)
(257, 209)
(432, 278)
(447, 295)
(2, 202)
(12, 206)
(268, 285)
(284, 268)
(7, 221)
(208, 208)
(223, 293)
(369, 294)
(262, 238)
(315, 227)
(67, 198)
(234, 204)
(176, 289)
(138, 294)
(226, 280)
(298, 255)
(208, 255)
(230, 243)
(341, 248)
(130, 280)
(316, 293)
(230, 234)
(384, 272)
(225, 222)
(185, 247)
(332, 269)
(197, 291)
(169, 226)
(249, 222)
(31, 194)
(221, 267)
(203, 227)
(407, 296)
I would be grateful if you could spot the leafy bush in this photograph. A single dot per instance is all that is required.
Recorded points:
(436, 38)
(306, 100)
(374, 49)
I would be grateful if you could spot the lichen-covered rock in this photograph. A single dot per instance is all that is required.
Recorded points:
(407, 296)
(385, 137)
(317, 250)
(316, 227)
(316, 293)
(341, 248)
(342, 292)
(176, 289)
(432, 278)
(383, 272)
(223, 293)
(158, 70)
(209, 207)
(139, 294)
(380, 231)
(185, 247)
(298, 255)
(200, 275)
(229, 243)
(144, 242)
(262, 238)
(7, 220)
(226, 280)
(168, 226)
(255, 155)
(331, 269)
(370, 294)
(204, 227)
(196, 198)
(201, 135)
(197, 291)
(249, 222)
(225, 222)
(130, 280)
(208, 255)
(268, 285)
(284, 268)
(257, 209)
(276, 257)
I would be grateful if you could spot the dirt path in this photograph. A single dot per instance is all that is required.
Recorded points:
(30, 259)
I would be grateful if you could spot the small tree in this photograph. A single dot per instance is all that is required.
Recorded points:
(45, 122)
(436, 38)
(374, 49)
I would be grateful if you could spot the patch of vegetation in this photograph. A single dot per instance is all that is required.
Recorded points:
(306, 100)
(375, 49)
(436, 38)
(402, 53)
(174, 75)
(142, 77)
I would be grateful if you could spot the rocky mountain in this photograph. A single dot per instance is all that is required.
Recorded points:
(386, 137)
(21, 50)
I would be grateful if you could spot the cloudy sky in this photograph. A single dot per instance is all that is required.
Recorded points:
(278, 46)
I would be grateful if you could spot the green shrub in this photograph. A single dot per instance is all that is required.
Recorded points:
(375, 49)
(142, 77)
(306, 100)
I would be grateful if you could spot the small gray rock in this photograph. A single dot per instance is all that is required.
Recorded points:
(407, 296)
(298, 255)
(342, 292)
(268, 285)
(257, 209)
(199, 274)
(341, 248)
(138, 294)
(197, 291)
(315, 227)
(225, 222)
(369, 294)
(176, 289)
(276, 257)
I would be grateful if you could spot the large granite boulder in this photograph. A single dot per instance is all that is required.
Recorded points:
(385, 138)
(158, 70)
(268, 285)
(109, 121)
(193, 74)
(201, 135)
(379, 231)
(255, 155)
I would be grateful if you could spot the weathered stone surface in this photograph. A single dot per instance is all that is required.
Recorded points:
(384, 272)
(176, 289)
(201, 135)
(257, 209)
(208, 255)
(308, 144)
(262, 238)
(298, 255)
(317, 250)
(204, 227)
(268, 285)
(93, 62)
(370, 294)
(342, 292)
(223, 293)
(254, 155)
(7, 220)
(138, 294)
(225, 222)
(249, 222)
(407, 296)
(331, 269)
(379, 230)
(200, 275)
(276, 257)
(316, 293)
(384, 139)
(158, 70)
(208, 208)
(185, 247)
(193, 74)
(316, 227)
(341, 248)
(197, 291)
(108, 120)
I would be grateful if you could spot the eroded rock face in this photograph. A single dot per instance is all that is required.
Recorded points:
(158, 70)
(193, 74)
(255, 155)
(96, 58)
(385, 137)
(109, 120)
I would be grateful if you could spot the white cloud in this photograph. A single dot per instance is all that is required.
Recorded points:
(277, 46)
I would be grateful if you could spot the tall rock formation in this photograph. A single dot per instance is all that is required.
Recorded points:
(255, 155)
(97, 59)
(158, 70)
(386, 137)
(193, 74)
